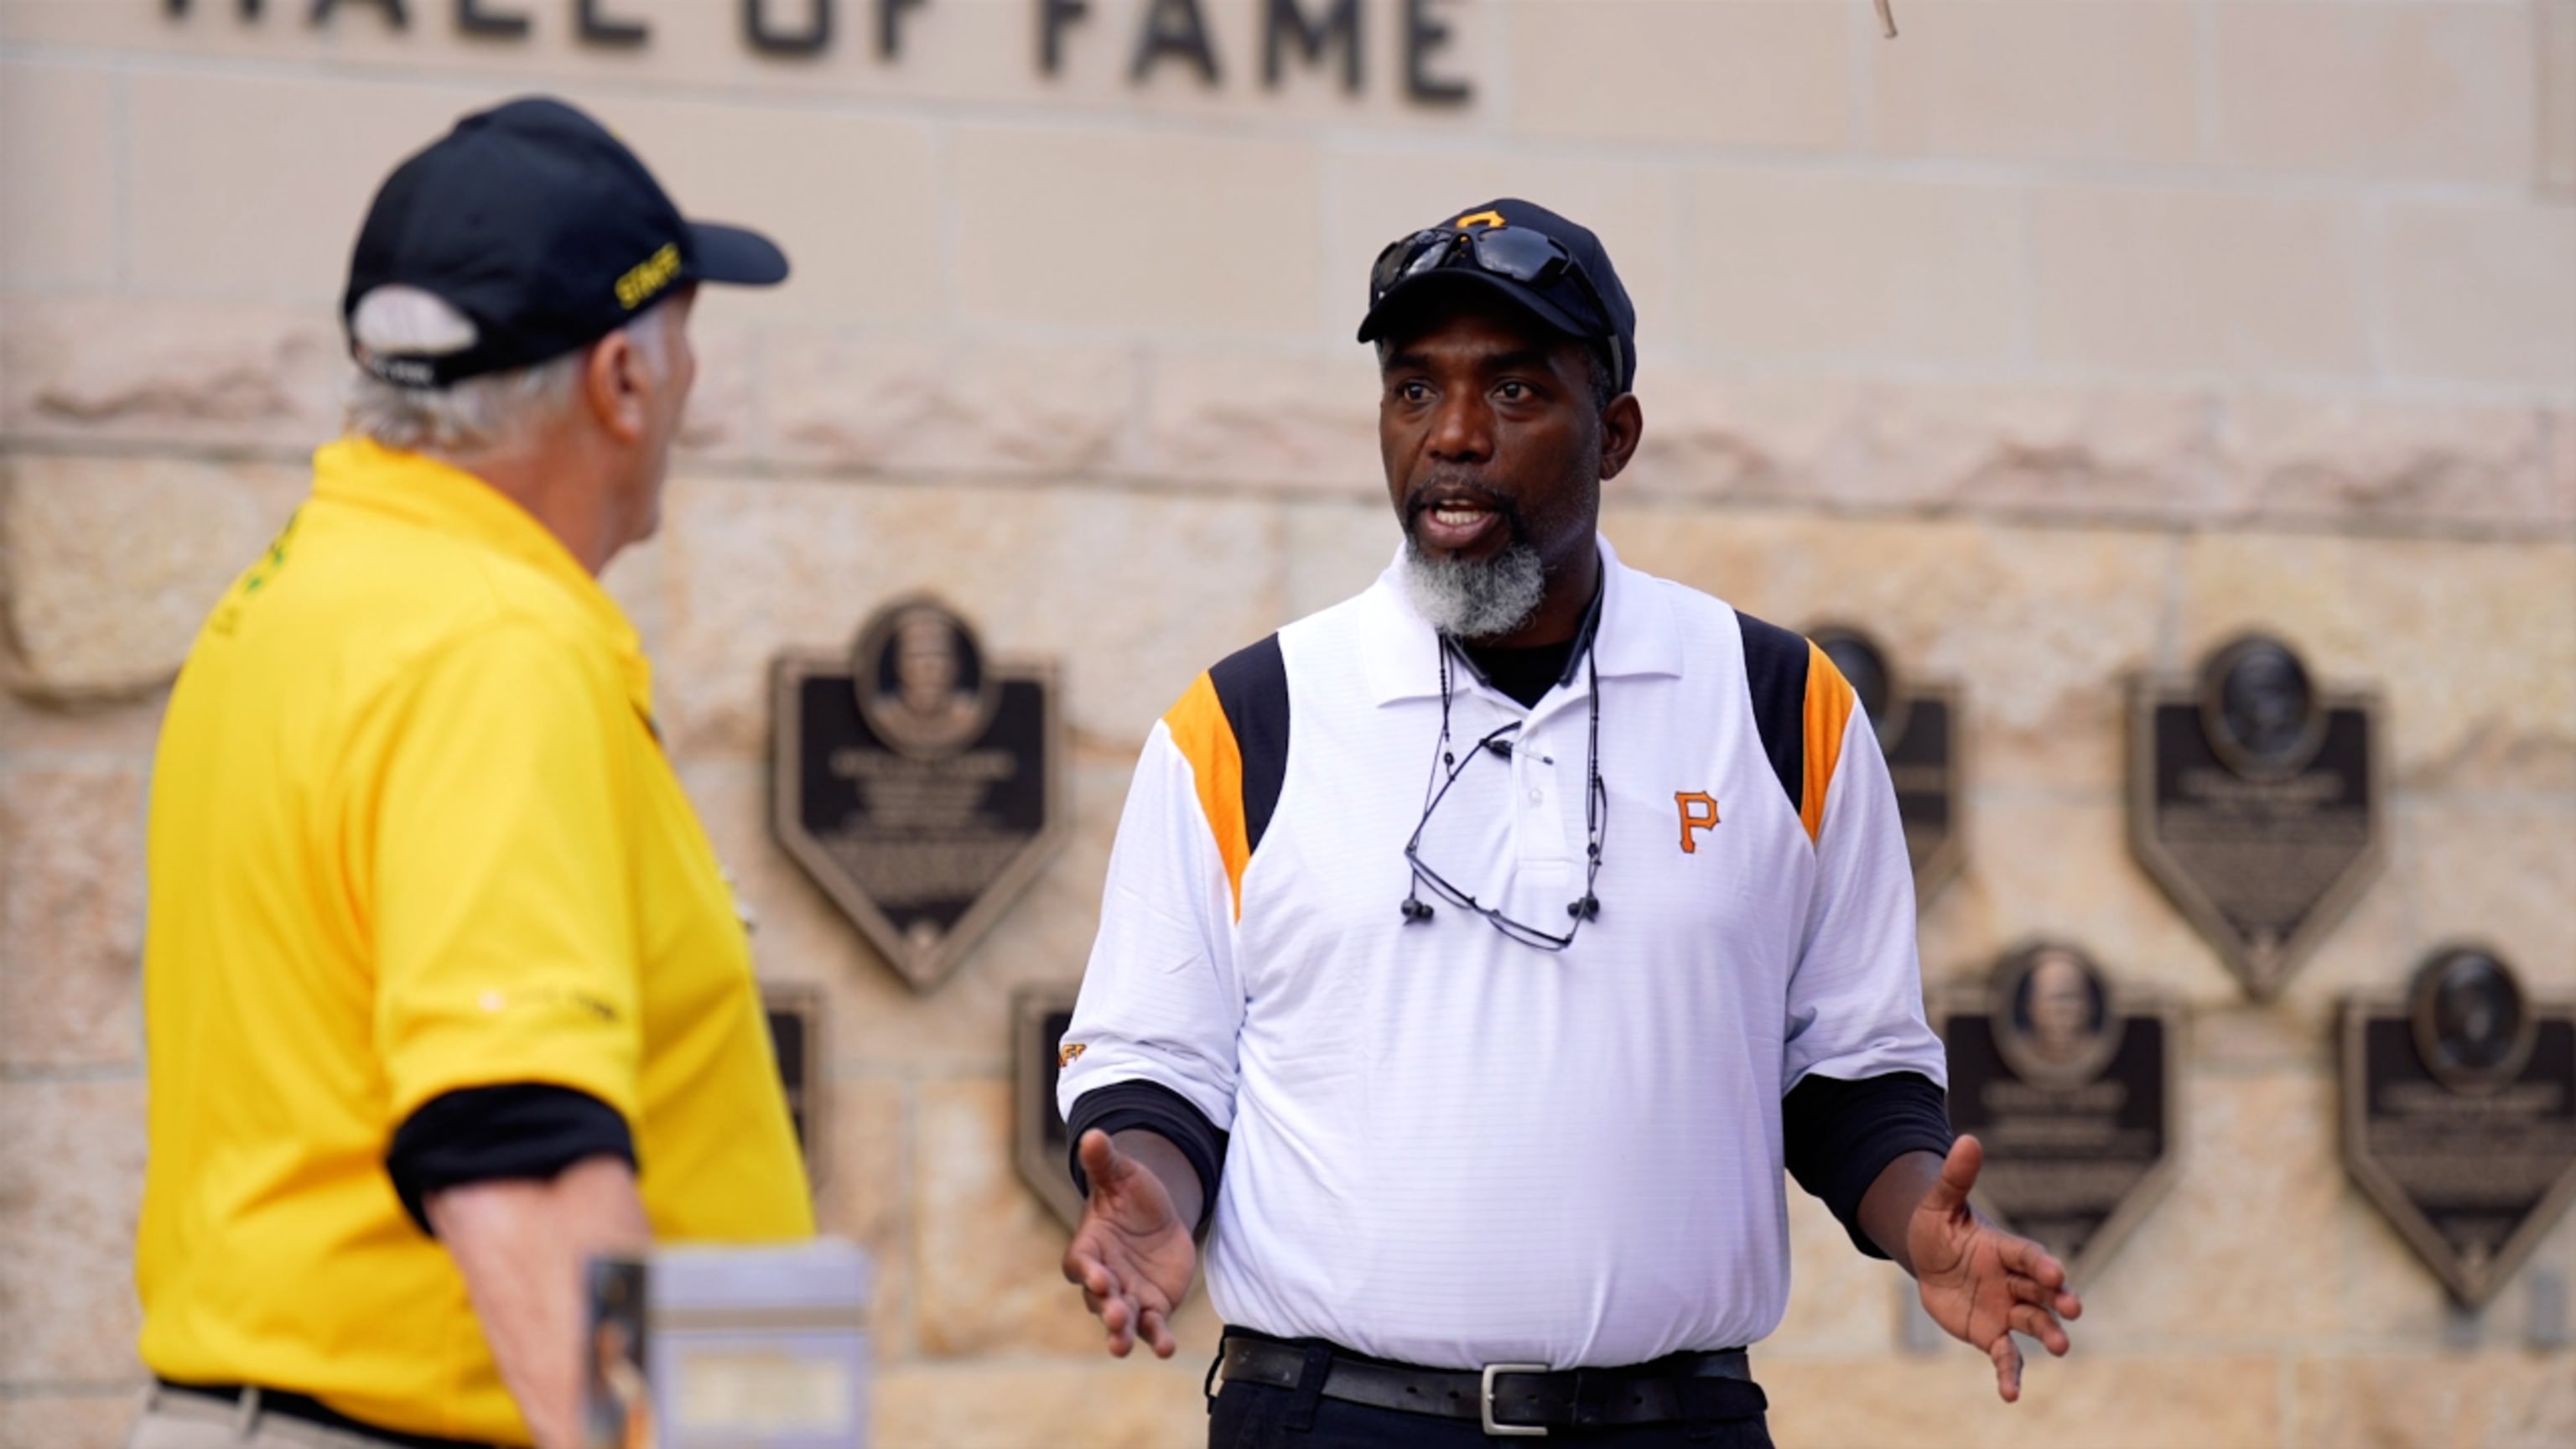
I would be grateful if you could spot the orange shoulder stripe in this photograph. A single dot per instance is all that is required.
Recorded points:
(1830, 703)
(1206, 739)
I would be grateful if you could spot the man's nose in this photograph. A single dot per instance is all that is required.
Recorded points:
(1462, 431)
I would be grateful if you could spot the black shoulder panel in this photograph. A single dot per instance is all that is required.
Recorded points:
(1775, 671)
(1252, 684)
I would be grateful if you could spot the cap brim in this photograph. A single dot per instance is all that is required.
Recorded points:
(1413, 292)
(735, 257)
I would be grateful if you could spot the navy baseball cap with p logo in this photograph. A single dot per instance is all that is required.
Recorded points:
(1552, 267)
(545, 231)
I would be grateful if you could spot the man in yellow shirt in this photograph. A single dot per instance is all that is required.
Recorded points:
(445, 990)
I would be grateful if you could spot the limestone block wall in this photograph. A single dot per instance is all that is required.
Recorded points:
(2054, 341)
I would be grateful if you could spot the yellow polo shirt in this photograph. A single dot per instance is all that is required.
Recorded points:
(412, 832)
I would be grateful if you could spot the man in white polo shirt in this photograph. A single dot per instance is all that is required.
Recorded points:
(1477, 952)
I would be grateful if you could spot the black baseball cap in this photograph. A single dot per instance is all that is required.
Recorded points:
(540, 226)
(1554, 268)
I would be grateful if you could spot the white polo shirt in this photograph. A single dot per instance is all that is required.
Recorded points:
(1451, 1149)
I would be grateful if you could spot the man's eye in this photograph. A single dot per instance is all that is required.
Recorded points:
(1513, 391)
(1413, 391)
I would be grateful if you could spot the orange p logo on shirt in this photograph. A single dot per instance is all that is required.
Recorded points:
(1699, 812)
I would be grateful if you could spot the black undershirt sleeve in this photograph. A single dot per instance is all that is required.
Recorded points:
(1151, 1107)
(485, 1134)
(1839, 1136)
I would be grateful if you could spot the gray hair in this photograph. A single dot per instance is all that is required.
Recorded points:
(480, 413)
(1475, 598)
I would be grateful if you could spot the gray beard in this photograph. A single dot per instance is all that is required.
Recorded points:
(1468, 599)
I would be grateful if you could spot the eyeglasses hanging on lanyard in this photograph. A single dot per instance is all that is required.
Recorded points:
(1444, 776)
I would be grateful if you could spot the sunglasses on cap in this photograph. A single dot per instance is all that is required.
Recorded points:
(1532, 258)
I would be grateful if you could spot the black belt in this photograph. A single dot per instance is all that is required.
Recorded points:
(1510, 1398)
(313, 1411)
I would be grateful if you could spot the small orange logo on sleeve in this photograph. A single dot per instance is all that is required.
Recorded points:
(1065, 1054)
(1699, 812)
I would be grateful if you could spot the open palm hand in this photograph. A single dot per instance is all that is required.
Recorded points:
(1131, 1255)
(1983, 1284)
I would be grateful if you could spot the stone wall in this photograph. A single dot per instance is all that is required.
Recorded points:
(2054, 341)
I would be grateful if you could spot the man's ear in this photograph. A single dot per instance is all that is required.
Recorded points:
(614, 383)
(1623, 423)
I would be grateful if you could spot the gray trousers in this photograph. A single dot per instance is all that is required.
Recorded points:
(177, 1419)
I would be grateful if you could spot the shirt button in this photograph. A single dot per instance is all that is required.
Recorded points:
(1538, 797)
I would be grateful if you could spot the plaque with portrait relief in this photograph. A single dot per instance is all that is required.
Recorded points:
(1040, 1015)
(2070, 1085)
(2459, 1115)
(2255, 801)
(918, 780)
(1917, 724)
(795, 1015)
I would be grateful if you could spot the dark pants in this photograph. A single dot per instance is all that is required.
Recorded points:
(1258, 1416)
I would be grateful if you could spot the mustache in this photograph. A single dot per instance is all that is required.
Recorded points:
(1417, 501)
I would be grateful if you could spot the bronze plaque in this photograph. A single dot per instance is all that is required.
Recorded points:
(1039, 1017)
(918, 781)
(1917, 723)
(2070, 1086)
(2254, 800)
(2459, 1115)
(796, 1038)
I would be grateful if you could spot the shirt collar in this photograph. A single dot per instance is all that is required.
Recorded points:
(420, 490)
(1401, 655)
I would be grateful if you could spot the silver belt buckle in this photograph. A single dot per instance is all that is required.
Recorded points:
(1486, 1404)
